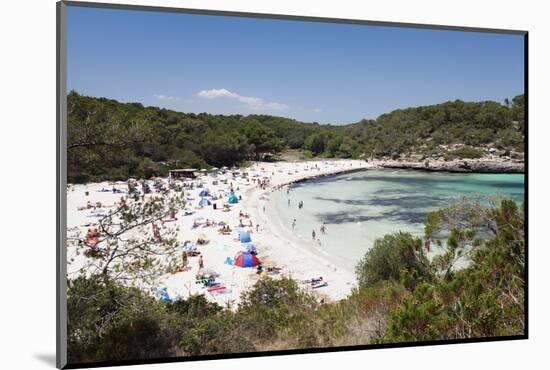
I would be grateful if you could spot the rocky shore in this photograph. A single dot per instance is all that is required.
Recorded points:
(463, 165)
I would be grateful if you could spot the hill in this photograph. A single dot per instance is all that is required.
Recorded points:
(109, 140)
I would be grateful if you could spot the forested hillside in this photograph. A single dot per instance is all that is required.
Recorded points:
(112, 140)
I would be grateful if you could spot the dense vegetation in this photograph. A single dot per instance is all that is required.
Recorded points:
(401, 296)
(112, 140)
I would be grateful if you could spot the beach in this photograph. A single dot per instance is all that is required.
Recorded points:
(276, 245)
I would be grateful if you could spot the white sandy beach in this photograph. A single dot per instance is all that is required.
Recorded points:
(276, 244)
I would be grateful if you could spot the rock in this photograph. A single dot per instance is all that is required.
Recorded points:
(480, 165)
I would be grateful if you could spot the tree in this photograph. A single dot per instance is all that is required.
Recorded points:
(390, 257)
(108, 322)
(315, 143)
(131, 246)
(108, 140)
(272, 305)
(482, 300)
(463, 224)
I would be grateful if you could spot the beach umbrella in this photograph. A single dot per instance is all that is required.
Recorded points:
(250, 248)
(190, 248)
(233, 199)
(244, 237)
(204, 193)
(187, 211)
(204, 202)
(247, 260)
(164, 296)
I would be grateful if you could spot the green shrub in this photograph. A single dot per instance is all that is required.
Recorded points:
(389, 256)
(465, 152)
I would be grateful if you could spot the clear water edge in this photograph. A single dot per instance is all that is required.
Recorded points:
(359, 207)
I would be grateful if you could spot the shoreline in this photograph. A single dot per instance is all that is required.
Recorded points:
(298, 259)
(286, 248)
(298, 256)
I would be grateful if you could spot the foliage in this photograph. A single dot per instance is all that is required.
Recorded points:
(463, 153)
(274, 305)
(107, 321)
(482, 300)
(134, 256)
(401, 297)
(392, 257)
(108, 140)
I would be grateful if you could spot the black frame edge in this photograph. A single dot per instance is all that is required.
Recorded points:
(61, 92)
(61, 194)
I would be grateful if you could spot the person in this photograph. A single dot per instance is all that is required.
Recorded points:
(201, 262)
(323, 228)
(184, 259)
(214, 205)
(264, 208)
(313, 234)
(293, 224)
(257, 227)
(289, 202)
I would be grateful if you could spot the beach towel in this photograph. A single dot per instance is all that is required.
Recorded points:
(204, 281)
(319, 285)
(216, 289)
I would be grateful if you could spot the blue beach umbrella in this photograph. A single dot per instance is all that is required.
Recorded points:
(204, 202)
(204, 193)
(244, 237)
(163, 295)
(190, 248)
(233, 199)
(250, 248)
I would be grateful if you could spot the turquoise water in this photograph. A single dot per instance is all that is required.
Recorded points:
(360, 207)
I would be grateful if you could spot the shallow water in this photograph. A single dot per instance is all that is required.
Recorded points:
(360, 207)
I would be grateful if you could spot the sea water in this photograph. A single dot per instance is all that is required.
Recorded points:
(360, 207)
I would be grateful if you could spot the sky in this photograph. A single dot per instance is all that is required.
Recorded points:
(309, 71)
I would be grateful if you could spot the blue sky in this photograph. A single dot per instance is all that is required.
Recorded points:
(328, 73)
